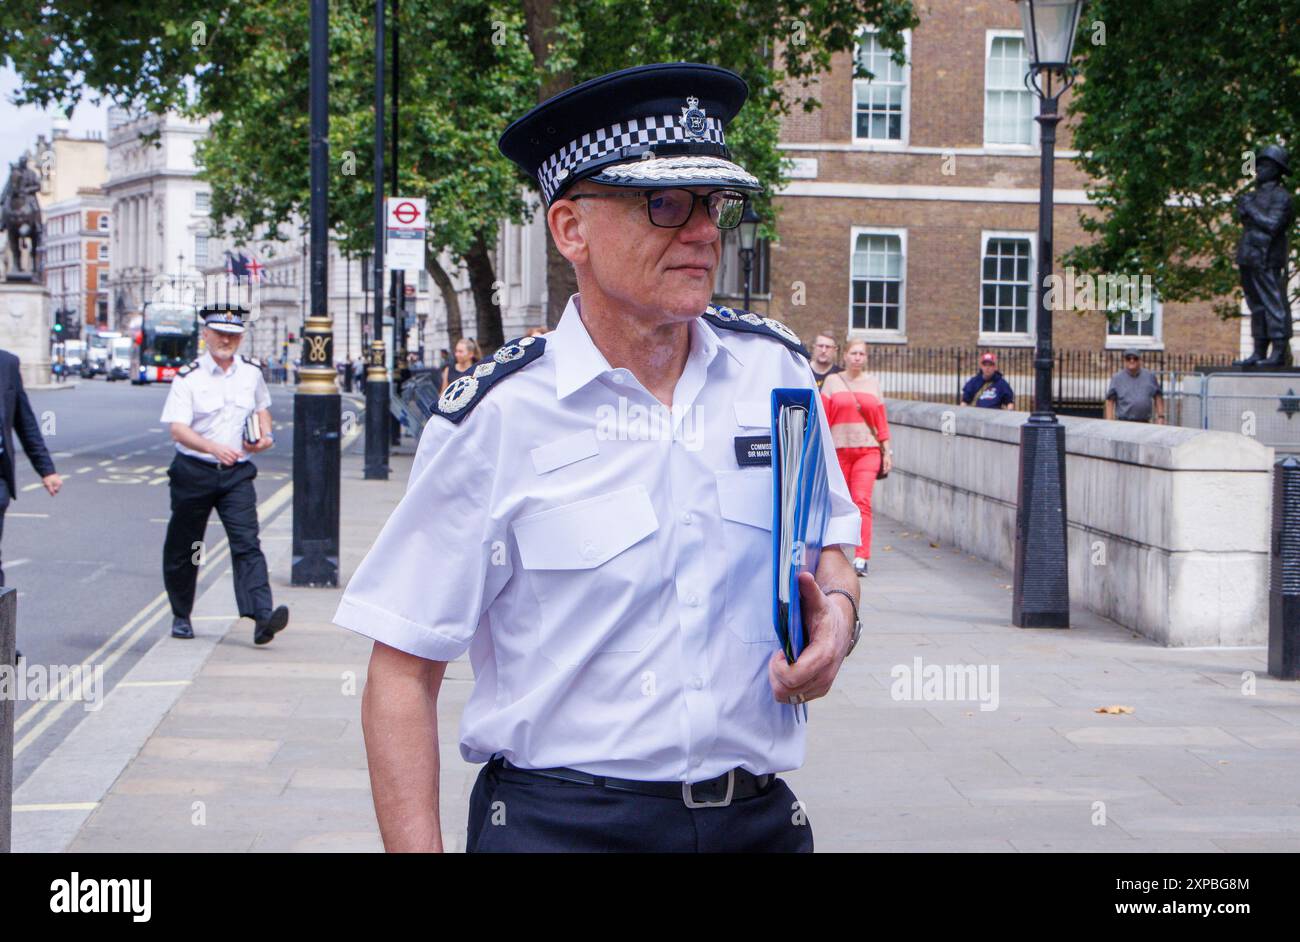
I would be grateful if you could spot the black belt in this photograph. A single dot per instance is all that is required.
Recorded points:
(719, 792)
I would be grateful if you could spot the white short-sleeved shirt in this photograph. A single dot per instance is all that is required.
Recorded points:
(215, 403)
(606, 564)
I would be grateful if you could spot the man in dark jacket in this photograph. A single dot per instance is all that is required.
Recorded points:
(987, 389)
(16, 416)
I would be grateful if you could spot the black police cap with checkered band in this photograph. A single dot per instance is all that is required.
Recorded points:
(731, 319)
(649, 126)
(463, 394)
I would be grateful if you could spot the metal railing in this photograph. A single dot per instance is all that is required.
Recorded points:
(1080, 378)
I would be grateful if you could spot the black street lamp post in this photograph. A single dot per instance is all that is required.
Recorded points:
(316, 415)
(748, 230)
(1041, 582)
(376, 468)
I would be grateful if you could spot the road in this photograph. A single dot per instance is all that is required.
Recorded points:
(87, 564)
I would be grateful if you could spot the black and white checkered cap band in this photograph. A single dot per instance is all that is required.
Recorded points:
(560, 167)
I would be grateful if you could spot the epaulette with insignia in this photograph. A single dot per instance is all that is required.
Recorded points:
(729, 319)
(464, 393)
(193, 364)
(252, 361)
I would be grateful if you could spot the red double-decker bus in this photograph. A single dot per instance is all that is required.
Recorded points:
(168, 338)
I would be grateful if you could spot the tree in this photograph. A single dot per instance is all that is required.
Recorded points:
(468, 67)
(1173, 102)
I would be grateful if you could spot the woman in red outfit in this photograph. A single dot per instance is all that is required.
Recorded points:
(855, 409)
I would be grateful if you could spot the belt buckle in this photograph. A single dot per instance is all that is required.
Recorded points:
(688, 796)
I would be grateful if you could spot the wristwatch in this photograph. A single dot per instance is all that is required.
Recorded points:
(857, 622)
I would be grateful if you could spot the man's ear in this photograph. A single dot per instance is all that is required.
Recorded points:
(565, 221)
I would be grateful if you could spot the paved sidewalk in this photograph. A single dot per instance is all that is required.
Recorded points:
(263, 750)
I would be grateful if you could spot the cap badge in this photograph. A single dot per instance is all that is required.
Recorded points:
(693, 117)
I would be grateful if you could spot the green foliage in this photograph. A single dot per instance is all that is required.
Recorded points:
(466, 72)
(1169, 109)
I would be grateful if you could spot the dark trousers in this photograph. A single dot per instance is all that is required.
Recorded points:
(510, 812)
(196, 487)
(1270, 312)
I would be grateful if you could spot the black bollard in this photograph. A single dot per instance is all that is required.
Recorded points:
(1284, 573)
(8, 650)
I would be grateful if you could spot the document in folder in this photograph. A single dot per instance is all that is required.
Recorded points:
(801, 506)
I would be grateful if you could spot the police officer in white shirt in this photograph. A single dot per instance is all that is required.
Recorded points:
(208, 407)
(588, 517)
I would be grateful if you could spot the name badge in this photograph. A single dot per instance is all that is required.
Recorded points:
(754, 450)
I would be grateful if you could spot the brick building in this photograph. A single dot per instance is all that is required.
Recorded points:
(911, 218)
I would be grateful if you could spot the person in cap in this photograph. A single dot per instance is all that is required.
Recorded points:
(589, 516)
(988, 389)
(1134, 394)
(208, 409)
(1267, 214)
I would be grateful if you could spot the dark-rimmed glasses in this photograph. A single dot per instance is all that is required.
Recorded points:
(671, 208)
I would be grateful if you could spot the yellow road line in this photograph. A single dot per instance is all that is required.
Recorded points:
(122, 639)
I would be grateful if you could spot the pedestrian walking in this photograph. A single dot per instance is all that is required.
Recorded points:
(17, 418)
(208, 408)
(855, 409)
(467, 354)
(359, 371)
(613, 590)
(1135, 394)
(825, 354)
(987, 389)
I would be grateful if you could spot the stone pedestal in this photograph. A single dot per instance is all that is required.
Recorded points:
(25, 328)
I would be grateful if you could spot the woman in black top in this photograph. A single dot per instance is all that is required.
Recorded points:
(467, 354)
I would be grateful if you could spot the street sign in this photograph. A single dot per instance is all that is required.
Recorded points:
(404, 245)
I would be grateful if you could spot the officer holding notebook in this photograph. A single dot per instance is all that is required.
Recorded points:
(218, 410)
(589, 516)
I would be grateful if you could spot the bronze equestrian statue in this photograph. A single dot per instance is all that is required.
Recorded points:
(20, 214)
(1266, 214)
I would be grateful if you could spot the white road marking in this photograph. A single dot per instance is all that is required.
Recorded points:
(60, 806)
(155, 683)
(11, 563)
(17, 514)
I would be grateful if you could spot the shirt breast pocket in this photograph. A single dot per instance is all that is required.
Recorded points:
(594, 573)
(208, 402)
(745, 503)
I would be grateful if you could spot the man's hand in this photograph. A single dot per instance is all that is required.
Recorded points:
(262, 444)
(829, 626)
(227, 456)
(52, 483)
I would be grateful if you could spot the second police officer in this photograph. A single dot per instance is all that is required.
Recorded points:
(208, 408)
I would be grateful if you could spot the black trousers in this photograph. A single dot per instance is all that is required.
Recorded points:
(196, 487)
(509, 812)
(1270, 312)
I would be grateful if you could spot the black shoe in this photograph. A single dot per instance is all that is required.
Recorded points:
(268, 626)
(181, 627)
(1280, 357)
(1261, 349)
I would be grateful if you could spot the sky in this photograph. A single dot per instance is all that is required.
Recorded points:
(21, 125)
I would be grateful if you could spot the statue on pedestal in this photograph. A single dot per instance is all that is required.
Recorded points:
(20, 217)
(1266, 214)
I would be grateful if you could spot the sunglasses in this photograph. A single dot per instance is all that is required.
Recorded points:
(670, 209)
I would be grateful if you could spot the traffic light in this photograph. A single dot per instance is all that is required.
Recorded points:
(289, 338)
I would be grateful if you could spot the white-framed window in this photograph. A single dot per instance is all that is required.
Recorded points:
(103, 222)
(103, 251)
(200, 249)
(1007, 299)
(1135, 325)
(1008, 102)
(423, 285)
(202, 201)
(877, 283)
(880, 104)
